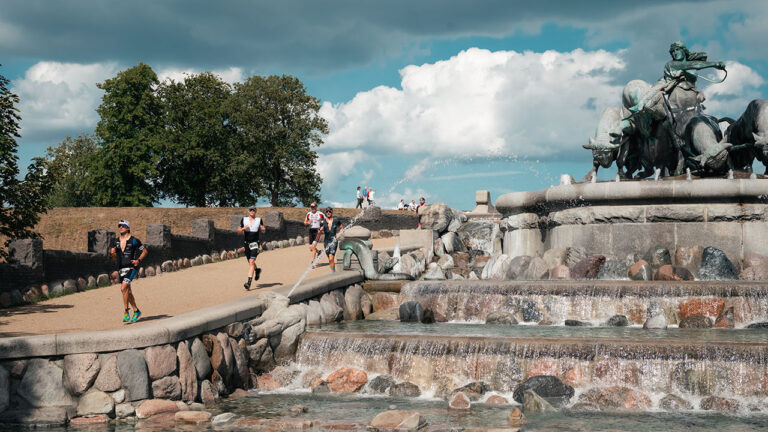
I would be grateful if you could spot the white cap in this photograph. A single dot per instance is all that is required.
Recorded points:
(124, 222)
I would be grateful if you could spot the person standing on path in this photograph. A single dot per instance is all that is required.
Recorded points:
(129, 252)
(330, 227)
(371, 199)
(422, 203)
(313, 220)
(251, 226)
(359, 199)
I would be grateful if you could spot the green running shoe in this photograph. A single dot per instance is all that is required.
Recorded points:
(126, 317)
(135, 316)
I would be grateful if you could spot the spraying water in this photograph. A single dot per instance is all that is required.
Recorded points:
(314, 262)
(617, 179)
(752, 176)
(565, 179)
(594, 178)
(656, 173)
(730, 174)
(688, 174)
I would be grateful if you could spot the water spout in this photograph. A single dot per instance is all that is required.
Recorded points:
(593, 180)
(752, 176)
(656, 173)
(688, 174)
(730, 174)
(617, 179)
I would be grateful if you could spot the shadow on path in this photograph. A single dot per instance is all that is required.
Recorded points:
(31, 309)
(268, 285)
(149, 318)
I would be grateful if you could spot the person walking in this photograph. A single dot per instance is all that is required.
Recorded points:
(251, 227)
(330, 227)
(129, 253)
(313, 220)
(359, 199)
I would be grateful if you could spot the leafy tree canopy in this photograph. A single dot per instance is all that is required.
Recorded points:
(71, 165)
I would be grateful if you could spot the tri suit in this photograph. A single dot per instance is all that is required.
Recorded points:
(251, 238)
(133, 249)
(315, 219)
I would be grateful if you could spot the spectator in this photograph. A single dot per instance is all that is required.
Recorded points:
(422, 203)
(412, 206)
(365, 197)
(371, 199)
(359, 199)
(401, 205)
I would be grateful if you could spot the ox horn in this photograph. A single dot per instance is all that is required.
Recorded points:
(591, 145)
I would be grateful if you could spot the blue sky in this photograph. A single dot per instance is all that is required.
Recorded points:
(424, 98)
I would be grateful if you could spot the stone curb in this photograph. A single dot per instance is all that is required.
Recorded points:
(699, 190)
(168, 330)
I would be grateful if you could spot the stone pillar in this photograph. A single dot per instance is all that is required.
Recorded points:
(234, 221)
(203, 228)
(27, 252)
(274, 220)
(100, 241)
(483, 209)
(159, 235)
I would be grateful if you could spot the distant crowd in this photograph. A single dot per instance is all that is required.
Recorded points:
(412, 206)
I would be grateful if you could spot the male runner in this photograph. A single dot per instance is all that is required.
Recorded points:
(251, 226)
(313, 220)
(129, 252)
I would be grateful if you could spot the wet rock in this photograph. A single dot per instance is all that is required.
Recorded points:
(380, 384)
(613, 269)
(758, 325)
(573, 255)
(240, 366)
(501, 318)
(411, 311)
(536, 270)
(133, 374)
(576, 323)
(623, 398)
(497, 268)
(43, 385)
(655, 317)
(535, 404)
(429, 317)
(321, 387)
(658, 256)
(35, 417)
(435, 217)
(696, 321)
(201, 360)
(391, 314)
(151, 407)
(193, 417)
(588, 268)
(452, 243)
(672, 402)
(480, 235)
(95, 403)
(187, 374)
(516, 417)
(223, 419)
(545, 386)
(618, 321)
(330, 310)
(755, 267)
(80, 371)
(405, 389)
(496, 400)
(518, 266)
(118, 396)
(208, 392)
(666, 273)
(474, 390)
(347, 380)
(260, 357)
(109, 377)
(161, 361)
(529, 311)
(716, 403)
(506, 376)
(434, 272)
(79, 422)
(554, 257)
(688, 257)
(459, 401)
(640, 270)
(561, 272)
(710, 307)
(725, 319)
(715, 265)
(167, 388)
(352, 309)
(234, 329)
(390, 419)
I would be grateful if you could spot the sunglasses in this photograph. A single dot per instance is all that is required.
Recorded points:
(122, 226)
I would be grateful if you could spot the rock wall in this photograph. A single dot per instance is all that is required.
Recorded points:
(198, 368)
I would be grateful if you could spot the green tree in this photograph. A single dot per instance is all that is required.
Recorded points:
(195, 164)
(279, 125)
(21, 201)
(125, 171)
(70, 165)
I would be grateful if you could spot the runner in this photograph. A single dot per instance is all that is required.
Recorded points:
(313, 220)
(129, 252)
(251, 226)
(330, 227)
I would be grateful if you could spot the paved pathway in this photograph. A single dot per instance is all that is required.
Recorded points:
(162, 296)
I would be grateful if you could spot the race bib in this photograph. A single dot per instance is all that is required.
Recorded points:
(253, 245)
(124, 271)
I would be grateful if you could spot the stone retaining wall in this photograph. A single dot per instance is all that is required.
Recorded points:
(191, 358)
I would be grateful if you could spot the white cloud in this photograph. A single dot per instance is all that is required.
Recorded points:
(481, 103)
(335, 167)
(730, 98)
(230, 75)
(57, 99)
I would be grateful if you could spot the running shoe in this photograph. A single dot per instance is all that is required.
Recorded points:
(135, 316)
(257, 275)
(126, 317)
(247, 286)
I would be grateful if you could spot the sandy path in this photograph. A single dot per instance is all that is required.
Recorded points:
(162, 296)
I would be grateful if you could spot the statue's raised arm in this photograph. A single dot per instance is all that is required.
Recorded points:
(684, 61)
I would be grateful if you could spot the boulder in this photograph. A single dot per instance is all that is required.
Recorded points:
(223, 419)
(167, 388)
(95, 403)
(161, 361)
(613, 269)
(452, 243)
(708, 306)
(260, 356)
(481, 235)
(497, 268)
(696, 321)
(576, 323)
(92, 281)
(725, 319)
(516, 417)
(167, 266)
(529, 311)
(150, 272)
(386, 262)
(434, 272)
(545, 386)
(588, 268)
(435, 217)
(43, 385)
(496, 400)
(518, 267)
(240, 354)
(655, 317)
(672, 402)
(380, 385)
(81, 283)
(573, 255)
(390, 420)
(501, 318)
(133, 374)
(640, 270)
(535, 404)
(352, 308)
(118, 396)
(80, 371)
(561, 272)
(537, 270)
(109, 377)
(411, 311)
(208, 392)
(716, 403)
(658, 256)
(193, 417)
(151, 407)
(715, 265)
(347, 380)
(554, 257)
(688, 257)
(459, 401)
(617, 321)
(623, 398)
(446, 262)
(200, 359)
(474, 390)
(404, 389)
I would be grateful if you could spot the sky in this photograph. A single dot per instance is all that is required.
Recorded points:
(435, 98)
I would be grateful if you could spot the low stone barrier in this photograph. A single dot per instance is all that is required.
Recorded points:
(167, 365)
